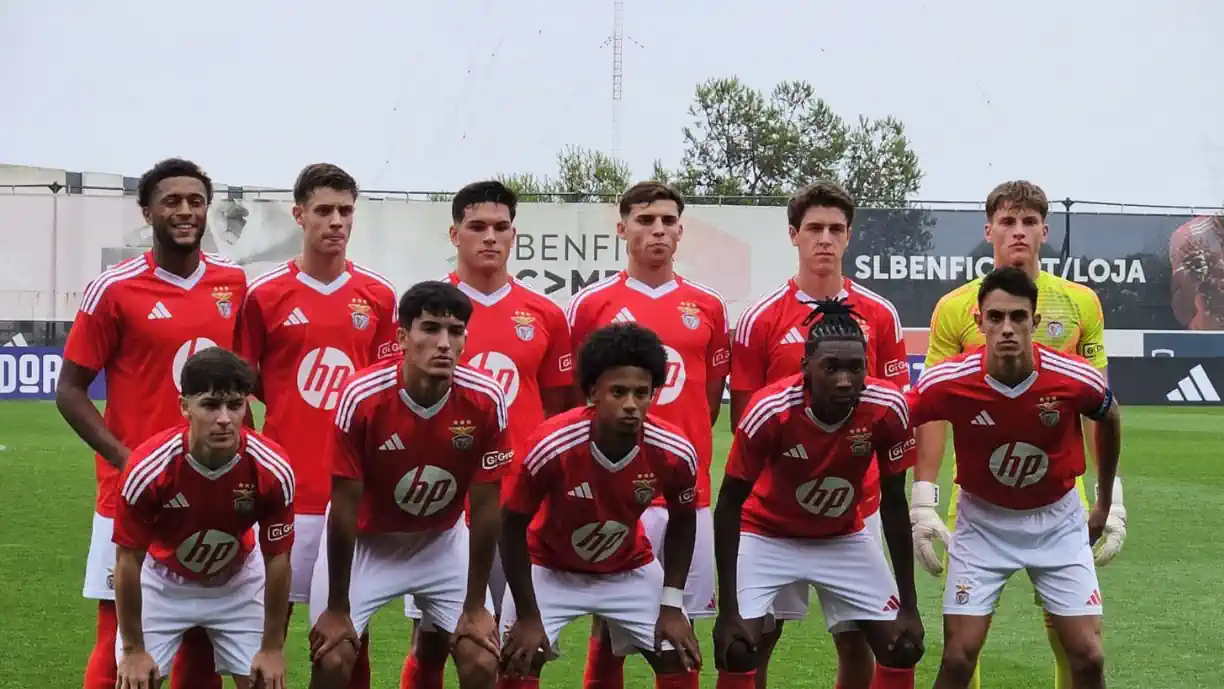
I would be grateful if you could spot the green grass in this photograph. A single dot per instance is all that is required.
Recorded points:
(1162, 593)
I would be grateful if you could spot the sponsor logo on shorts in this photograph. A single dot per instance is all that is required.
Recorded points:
(721, 356)
(895, 367)
(492, 460)
(279, 531)
(898, 451)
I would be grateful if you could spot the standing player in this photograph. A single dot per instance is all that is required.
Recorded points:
(188, 499)
(572, 536)
(1015, 411)
(1072, 324)
(788, 511)
(413, 436)
(691, 320)
(139, 321)
(769, 344)
(516, 336)
(307, 325)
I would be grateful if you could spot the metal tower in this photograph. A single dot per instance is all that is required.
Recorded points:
(618, 72)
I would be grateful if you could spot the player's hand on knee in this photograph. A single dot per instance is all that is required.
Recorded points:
(909, 644)
(672, 626)
(137, 670)
(525, 640)
(927, 526)
(332, 629)
(268, 670)
(734, 649)
(478, 627)
(1113, 532)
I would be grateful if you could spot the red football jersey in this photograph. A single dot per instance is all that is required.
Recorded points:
(197, 521)
(1017, 447)
(691, 320)
(769, 338)
(307, 338)
(519, 338)
(140, 323)
(810, 477)
(417, 463)
(587, 507)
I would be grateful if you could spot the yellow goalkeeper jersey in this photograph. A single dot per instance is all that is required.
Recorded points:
(1071, 321)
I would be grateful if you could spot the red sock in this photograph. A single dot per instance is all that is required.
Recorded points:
(101, 671)
(893, 678)
(736, 680)
(677, 680)
(518, 683)
(604, 669)
(419, 675)
(194, 665)
(360, 678)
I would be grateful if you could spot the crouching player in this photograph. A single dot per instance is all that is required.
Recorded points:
(572, 543)
(189, 498)
(788, 512)
(1015, 411)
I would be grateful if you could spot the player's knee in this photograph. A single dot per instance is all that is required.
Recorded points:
(475, 665)
(958, 662)
(855, 661)
(740, 657)
(431, 648)
(1087, 659)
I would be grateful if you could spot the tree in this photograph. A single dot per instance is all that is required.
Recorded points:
(744, 143)
(583, 176)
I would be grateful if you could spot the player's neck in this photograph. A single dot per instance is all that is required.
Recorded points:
(1011, 370)
(1032, 267)
(179, 263)
(485, 283)
(651, 276)
(206, 456)
(611, 444)
(819, 285)
(423, 389)
(322, 267)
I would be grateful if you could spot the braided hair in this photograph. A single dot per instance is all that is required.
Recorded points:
(831, 320)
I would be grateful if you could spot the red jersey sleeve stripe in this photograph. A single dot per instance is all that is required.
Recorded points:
(265, 278)
(1093, 381)
(882, 301)
(218, 259)
(891, 399)
(743, 328)
(472, 380)
(519, 283)
(274, 463)
(571, 311)
(949, 371)
(769, 407)
(149, 468)
(713, 293)
(555, 443)
(359, 389)
(377, 276)
(677, 445)
(95, 290)
(1048, 356)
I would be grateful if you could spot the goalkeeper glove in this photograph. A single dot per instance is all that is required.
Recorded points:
(1110, 544)
(927, 526)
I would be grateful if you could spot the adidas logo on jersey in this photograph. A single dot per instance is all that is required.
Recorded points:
(793, 336)
(982, 419)
(581, 491)
(623, 316)
(176, 501)
(296, 317)
(392, 443)
(1195, 387)
(159, 311)
(796, 452)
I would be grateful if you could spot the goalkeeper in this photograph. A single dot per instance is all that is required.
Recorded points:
(1071, 321)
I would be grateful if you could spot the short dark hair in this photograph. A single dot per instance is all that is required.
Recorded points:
(832, 320)
(436, 297)
(824, 193)
(164, 170)
(488, 191)
(1012, 280)
(218, 371)
(319, 176)
(622, 344)
(648, 192)
(1019, 193)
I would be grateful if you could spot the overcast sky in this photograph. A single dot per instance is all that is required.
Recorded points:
(1118, 100)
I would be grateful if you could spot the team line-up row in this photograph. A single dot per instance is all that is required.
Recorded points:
(506, 467)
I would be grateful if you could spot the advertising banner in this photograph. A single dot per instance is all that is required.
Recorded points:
(31, 373)
(1176, 381)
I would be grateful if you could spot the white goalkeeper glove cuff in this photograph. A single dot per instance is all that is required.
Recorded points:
(1115, 528)
(927, 526)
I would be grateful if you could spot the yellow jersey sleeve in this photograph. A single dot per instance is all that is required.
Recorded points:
(950, 321)
(1091, 344)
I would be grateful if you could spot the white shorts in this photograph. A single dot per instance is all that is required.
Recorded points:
(432, 566)
(850, 574)
(792, 601)
(627, 601)
(307, 541)
(990, 543)
(100, 565)
(232, 614)
(699, 588)
(497, 589)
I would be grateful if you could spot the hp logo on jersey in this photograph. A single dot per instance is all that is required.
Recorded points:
(207, 552)
(184, 353)
(597, 541)
(321, 377)
(426, 490)
(1018, 465)
(826, 497)
(676, 375)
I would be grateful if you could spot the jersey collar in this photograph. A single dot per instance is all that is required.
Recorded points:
(324, 288)
(184, 283)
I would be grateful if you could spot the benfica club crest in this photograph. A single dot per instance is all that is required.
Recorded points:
(225, 305)
(644, 490)
(1047, 411)
(361, 313)
(461, 435)
(860, 442)
(244, 498)
(1054, 329)
(690, 315)
(524, 325)
(962, 592)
